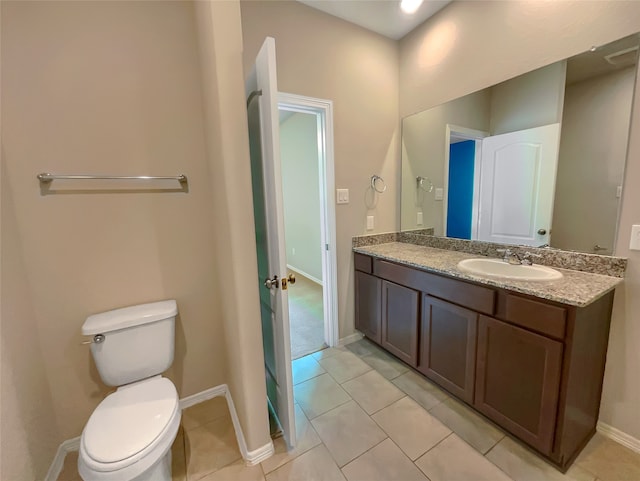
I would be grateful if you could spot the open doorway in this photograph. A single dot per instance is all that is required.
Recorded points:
(309, 220)
(462, 181)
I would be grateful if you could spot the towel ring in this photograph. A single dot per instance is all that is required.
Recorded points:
(420, 181)
(374, 185)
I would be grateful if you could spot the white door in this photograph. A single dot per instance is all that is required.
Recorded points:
(266, 179)
(517, 184)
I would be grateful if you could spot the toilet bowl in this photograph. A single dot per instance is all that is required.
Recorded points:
(129, 435)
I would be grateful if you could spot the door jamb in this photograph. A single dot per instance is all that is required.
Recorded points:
(323, 110)
(469, 134)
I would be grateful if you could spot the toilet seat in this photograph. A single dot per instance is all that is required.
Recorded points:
(133, 427)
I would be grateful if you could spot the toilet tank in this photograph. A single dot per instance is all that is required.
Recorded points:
(138, 341)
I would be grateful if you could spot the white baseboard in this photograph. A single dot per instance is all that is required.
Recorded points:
(258, 455)
(305, 274)
(619, 436)
(202, 396)
(356, 336)
(58, 461)
(251, 457)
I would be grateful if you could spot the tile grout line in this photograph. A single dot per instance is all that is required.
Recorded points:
(413, 461)
(332, 409)
(383, 407)
(299, 454)
(359, 455)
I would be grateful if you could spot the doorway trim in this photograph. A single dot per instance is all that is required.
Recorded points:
(467, 134)
(323, 110)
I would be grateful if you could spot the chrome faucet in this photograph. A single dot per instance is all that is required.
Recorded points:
(512, 257)
(526, 258)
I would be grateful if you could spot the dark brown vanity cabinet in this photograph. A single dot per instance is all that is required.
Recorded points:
(368, 306)
(518, 381)
(532, 366)
(400, 309)
(448, 346)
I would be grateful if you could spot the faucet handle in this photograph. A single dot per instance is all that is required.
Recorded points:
(506, 254)
(526, 258)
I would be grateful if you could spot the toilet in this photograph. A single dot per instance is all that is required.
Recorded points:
(129, 435)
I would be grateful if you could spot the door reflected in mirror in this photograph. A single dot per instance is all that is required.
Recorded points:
(537, 160)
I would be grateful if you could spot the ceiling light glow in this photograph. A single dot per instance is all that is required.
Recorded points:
(410, 6)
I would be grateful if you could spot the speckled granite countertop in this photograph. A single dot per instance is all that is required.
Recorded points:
(575, 288)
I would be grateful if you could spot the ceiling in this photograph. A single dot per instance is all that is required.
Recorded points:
(603, 59)
(381, 16)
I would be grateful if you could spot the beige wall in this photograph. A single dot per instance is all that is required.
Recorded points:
(324, 57)
(499, 40)
(423, 154)
(104, 87)
(301, 193)
(595, 133)
(30, 433)
(219, 31)
(528, 101)
(470, 45)
(621, 395)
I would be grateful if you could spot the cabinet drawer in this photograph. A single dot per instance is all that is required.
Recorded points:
(474, 297)
(362, 263)
(537, 316)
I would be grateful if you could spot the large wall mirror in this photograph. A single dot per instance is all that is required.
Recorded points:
(537, 160)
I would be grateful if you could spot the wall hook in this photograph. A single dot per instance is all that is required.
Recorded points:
(421, 181)
(377, 181)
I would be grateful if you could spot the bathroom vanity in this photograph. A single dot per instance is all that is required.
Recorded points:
(530, 356)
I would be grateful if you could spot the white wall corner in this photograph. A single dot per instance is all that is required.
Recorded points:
(619, 436)
(202, 396)
(258, 455)
(251, 457)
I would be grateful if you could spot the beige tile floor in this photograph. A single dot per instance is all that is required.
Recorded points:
(363, 416)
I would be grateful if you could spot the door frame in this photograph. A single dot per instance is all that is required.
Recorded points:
(468, 134)
(323, 110)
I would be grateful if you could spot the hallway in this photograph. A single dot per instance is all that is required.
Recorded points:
(306, 317)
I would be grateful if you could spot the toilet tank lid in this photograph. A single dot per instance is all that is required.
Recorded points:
(128, 317)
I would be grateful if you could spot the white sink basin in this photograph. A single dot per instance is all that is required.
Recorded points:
(499, 269)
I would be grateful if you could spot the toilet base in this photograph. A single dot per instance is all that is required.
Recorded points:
(160, 472)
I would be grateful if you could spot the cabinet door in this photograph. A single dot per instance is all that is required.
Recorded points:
(368, 306)
(518, 380)
(400, 321)
(448, 346)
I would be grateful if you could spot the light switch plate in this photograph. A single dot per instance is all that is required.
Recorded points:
(419, 218)
(439, 193)
(634, 245)
(369, 222)
(343, 196)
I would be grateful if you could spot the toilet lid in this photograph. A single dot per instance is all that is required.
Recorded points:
(129, 420)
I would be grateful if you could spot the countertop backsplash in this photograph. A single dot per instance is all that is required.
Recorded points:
(577, 261)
